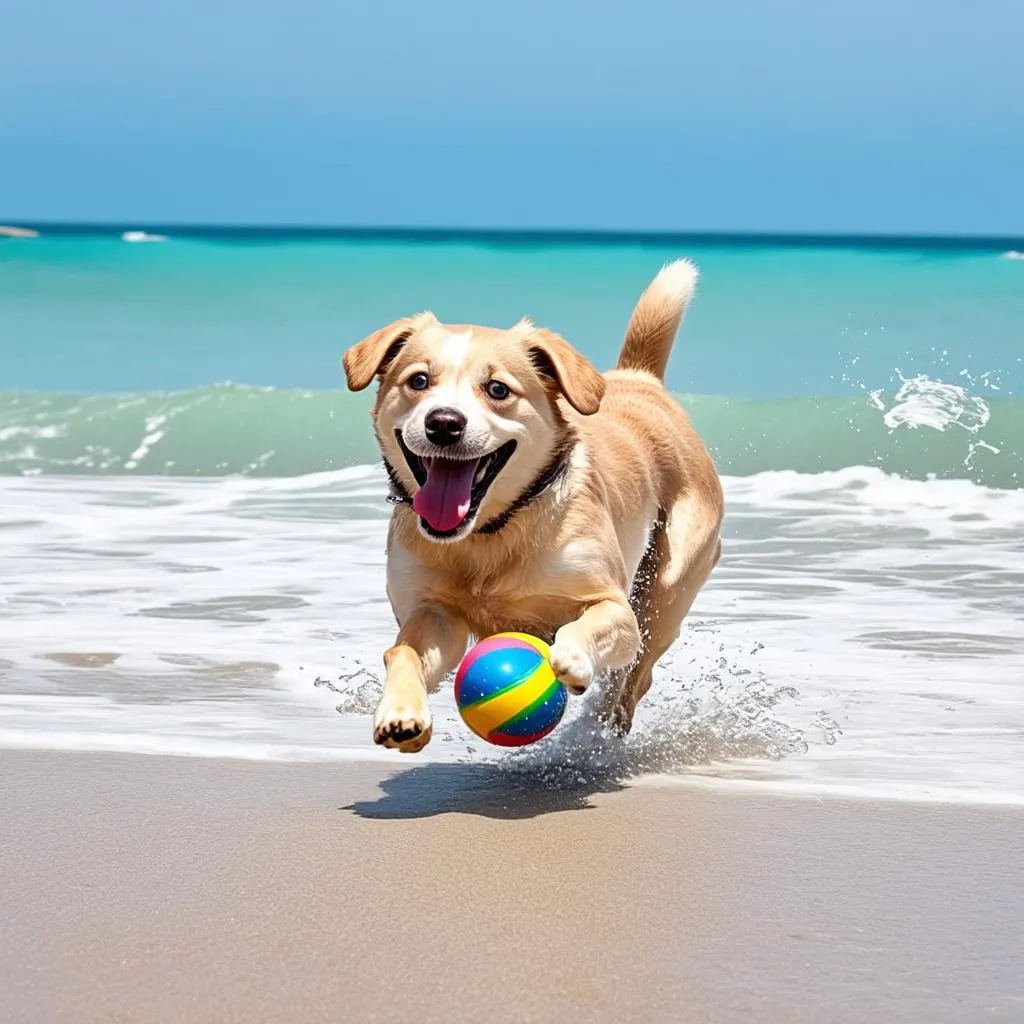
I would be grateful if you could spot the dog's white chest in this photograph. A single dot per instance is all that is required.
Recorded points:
(633, 540)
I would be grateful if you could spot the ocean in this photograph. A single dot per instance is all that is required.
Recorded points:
(193, 514)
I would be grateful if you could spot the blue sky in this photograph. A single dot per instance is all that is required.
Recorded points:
(805, 115)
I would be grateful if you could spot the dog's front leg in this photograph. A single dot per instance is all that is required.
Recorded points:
(605, 636)
(429, 644)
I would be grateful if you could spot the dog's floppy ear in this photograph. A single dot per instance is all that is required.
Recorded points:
(371, 356)
(575, 376)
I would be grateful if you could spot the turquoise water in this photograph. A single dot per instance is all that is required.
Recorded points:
(109, 352)
(192, 566)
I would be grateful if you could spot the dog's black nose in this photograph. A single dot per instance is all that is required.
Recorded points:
(444, 426)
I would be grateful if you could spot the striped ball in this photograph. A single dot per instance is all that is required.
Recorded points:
(507, 692)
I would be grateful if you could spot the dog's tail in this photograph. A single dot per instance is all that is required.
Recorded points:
(656, 319)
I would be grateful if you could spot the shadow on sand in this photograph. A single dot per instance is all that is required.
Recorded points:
(483, 789)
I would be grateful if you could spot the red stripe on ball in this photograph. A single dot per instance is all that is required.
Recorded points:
(500, 739)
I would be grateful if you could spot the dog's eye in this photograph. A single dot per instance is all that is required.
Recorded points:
(419, 382)
(497, 390)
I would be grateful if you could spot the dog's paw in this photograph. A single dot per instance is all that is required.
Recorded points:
(402, 724)
(572, 665)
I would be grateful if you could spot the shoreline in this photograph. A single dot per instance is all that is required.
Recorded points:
(169, 889)
(726, 778)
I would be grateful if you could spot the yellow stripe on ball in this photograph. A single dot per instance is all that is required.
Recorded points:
(533, 641)
(488, 715)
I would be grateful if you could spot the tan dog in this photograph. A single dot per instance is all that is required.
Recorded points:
(534, 494)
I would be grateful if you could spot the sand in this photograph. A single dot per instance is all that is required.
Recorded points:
(159, 889)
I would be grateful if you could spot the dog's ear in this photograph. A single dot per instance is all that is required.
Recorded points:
(371, 356)
(573, 375)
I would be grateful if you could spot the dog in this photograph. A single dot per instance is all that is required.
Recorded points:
(533, 493)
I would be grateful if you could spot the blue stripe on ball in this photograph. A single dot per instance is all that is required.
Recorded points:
(496, 671)
(541, 717)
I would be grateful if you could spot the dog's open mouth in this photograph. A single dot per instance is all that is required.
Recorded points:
(451, 490)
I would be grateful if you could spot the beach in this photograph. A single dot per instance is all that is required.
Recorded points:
(818, 814)
(146, 889)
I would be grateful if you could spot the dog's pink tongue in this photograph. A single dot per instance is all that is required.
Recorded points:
(445, 498)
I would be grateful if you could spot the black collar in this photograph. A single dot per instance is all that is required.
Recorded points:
(544, 481)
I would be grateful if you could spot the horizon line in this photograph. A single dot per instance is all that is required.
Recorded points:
(529, 236)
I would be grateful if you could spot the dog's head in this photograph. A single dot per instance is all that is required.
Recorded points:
(469, 418)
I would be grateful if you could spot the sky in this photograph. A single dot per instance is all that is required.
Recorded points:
(875, 116)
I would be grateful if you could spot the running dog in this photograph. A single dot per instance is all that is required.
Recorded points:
(533, 493)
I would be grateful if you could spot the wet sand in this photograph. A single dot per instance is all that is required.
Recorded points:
(158, 889)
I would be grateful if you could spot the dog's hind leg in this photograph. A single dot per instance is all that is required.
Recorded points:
(683, 549)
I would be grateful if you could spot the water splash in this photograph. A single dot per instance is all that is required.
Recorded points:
(727, 712)
(360, 690)
(922, 401)
(710, 706)
(973, 447)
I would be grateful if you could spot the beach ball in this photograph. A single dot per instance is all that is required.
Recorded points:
(506, 690)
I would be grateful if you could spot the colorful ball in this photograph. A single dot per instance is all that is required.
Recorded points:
(506, 690)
